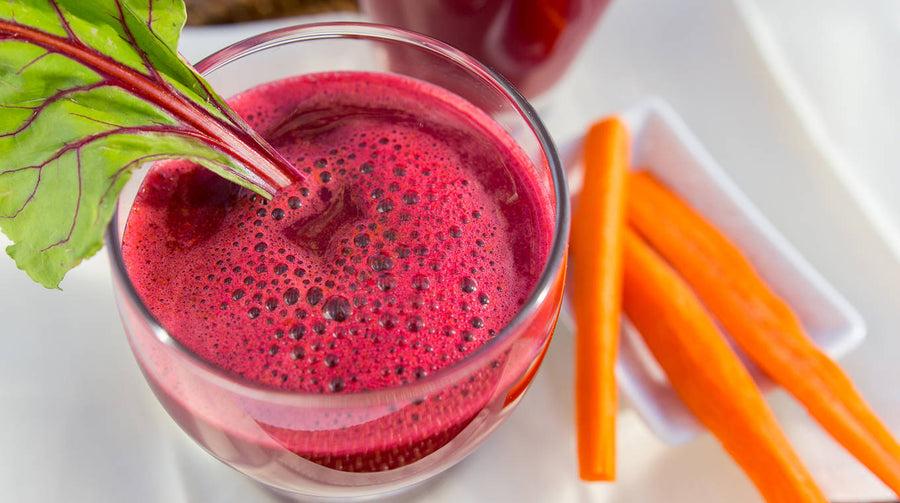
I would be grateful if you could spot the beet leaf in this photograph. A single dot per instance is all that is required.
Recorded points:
(89, 90)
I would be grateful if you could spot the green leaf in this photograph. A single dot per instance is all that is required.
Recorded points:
(89, 90)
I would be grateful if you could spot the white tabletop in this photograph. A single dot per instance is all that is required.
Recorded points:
(802, 126)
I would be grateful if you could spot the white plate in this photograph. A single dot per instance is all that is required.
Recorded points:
(663, 145)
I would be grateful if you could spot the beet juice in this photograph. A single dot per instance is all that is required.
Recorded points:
(416, 235)
(530, 42)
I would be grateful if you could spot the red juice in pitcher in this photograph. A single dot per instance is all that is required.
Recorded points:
(530, 42)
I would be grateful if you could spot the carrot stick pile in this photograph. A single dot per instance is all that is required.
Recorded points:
(709, 377)
(761, 323)
(682, 279)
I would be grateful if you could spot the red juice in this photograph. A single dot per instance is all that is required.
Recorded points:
(530, 42)
(416, 236)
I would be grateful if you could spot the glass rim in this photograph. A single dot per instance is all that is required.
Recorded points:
(445, 375)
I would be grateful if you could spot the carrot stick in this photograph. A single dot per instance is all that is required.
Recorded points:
(761, 323)
(596, 252)
(709, 377)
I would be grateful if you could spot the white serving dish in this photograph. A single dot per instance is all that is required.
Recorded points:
(663, 145)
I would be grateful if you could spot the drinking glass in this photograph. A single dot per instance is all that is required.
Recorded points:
(356, 444)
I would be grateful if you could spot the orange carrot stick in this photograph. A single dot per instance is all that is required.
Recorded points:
(761, 323)
(709, 377)
(596, 252)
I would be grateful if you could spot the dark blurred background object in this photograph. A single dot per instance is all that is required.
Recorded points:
(234, 11)
(530, 42)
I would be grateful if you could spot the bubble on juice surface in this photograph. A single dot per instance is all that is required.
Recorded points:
(337, 308)
(336, 384)
(387, 321)
(381, 262)
(421, 282)
(415, 323)
(297, 331)
(291, 296)
(468, 284)
(386, 282)
(314, 296)
(361, 240)
(385, 205)
(410, 197)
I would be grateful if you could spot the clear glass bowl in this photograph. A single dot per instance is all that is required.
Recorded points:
(284, 439)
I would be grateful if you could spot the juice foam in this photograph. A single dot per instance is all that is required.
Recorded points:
(417, 234)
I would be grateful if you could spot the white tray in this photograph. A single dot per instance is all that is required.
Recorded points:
(663, 145)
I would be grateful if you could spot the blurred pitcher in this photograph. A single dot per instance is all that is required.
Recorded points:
(530, 42)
